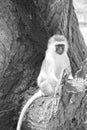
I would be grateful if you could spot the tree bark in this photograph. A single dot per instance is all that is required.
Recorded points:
(25, 27)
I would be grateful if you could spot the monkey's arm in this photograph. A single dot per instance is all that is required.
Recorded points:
(34, 97)
(68, 70)
(58, 86)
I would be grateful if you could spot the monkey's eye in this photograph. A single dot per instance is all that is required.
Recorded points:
(60, 46)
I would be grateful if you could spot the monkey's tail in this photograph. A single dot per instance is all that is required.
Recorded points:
(34, 97)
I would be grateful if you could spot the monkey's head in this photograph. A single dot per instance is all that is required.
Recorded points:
(58, 43)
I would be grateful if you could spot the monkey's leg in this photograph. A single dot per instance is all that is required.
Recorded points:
(46, 88)
(63, 73)
(57, 88)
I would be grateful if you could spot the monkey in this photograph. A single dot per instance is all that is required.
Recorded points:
(55, 62)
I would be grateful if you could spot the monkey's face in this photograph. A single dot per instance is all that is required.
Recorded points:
(60, 48)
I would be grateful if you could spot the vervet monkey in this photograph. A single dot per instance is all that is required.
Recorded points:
(55, 62)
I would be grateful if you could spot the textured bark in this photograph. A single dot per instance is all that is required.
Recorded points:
(25, 26)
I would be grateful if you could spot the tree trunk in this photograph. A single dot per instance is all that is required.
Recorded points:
(25, 27)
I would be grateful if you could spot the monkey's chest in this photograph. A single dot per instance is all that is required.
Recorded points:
(58, 71)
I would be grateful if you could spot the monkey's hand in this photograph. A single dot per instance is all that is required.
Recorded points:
(68, 73)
